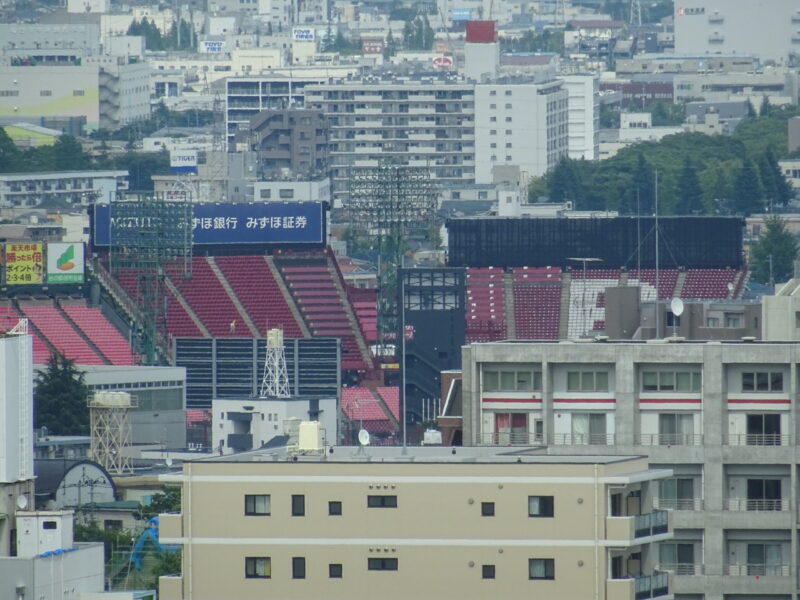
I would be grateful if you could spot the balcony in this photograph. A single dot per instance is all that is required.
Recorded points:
(685, 569)
(512, 439)
(745, 504)
(583, 439)
(759, 570)
(170, 587)
(690, 504)
(638, 588)
(633, 528)
(756, 439)
(670, 439)
(170, 525)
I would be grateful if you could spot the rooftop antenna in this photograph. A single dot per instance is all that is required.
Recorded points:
(677, 310)
(275, 383)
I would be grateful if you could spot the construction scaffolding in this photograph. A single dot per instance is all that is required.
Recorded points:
(389, 205)
(109, 415)
(151, 239)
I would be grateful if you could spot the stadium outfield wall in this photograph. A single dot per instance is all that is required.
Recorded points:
(691, 242)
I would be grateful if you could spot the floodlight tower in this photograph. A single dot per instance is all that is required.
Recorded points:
(636, 13)
(109, 414)
(275, 383)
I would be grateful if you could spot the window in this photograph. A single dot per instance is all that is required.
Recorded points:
(764, 494)
(382, 564)
(679, 557)
(487, 571)
(487, 509)
(508, 92)
(77, 92)
(492, 132)
(492, 106)
(335, 508)
(677, 493)
(257, 504)
(335, 570)
(675, 429)
(8, 93)
(493, 119)
(286, 193)
(671, 381)
(764, 559)
(762, 381)
(49, 525)
(298, 567)
(764, 430)
(382, 501)
(512, 381)
(508, 119)
(265, 194)
(45, 92)
(298, 505)
(508, 105)
(541, 568)
(589, 428)
(540, 506)
(257, 567)
(587, 381)
(115, 524)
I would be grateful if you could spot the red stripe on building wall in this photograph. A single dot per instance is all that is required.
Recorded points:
(670, 400)
(585, 400)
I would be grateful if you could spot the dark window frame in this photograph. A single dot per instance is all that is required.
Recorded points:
(549, 569)
(335, 571)
(298, 505)
(298, 567)
(250, 508)
(335, 508)
(546, 507)
(487, 572)
(382, 564)
(487, 509)
(250, 567)
(381, 501)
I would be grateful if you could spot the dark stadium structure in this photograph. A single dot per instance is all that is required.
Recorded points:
(233, 367)
(696, 242)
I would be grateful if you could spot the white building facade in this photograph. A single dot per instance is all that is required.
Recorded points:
(522, 124)
(583, 120)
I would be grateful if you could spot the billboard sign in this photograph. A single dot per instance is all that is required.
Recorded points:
(65, 263)
(443, 62)
(303, 34)
(183, 161)
(212, 46)
(24, 264)
(461, 14)
(230, 223)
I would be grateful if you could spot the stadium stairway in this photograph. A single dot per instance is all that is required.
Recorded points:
(287, 297)
(508, 298)
(338, 281)
(563, 311)
(679, 284)
(42, 348)
(80, 332)
(49, 324)
(185, 306)
(232, 295)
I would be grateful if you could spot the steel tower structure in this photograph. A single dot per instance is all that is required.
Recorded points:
(275, 383)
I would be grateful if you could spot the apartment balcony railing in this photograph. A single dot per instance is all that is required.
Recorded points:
(757, 439)
(682, 568)
(583, 439)
(745, 504)
(512, 439)
(651, 586)
(653, 523)
(755, 569)
(693, 504)
(670, 439)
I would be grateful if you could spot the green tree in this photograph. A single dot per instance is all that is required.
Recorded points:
(68, 155)
(766, 108)
(167, 563)
(166, 501)
(641, 193)
(391, 46)
(690, 194)
(748, 195)
(564, 183)
(114, 540)
(10, 156)
(60, 398)
(777, 191)
(776, 245)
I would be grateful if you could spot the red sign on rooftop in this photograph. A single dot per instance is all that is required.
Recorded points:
(481, 32)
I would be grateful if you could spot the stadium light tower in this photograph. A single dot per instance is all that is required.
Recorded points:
(275, 383)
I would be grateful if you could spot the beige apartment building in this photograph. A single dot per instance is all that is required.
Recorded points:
(432, 523)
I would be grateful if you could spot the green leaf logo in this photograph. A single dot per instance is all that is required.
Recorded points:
(64, 262)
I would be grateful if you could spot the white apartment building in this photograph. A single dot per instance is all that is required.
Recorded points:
(21, 190)
(721, 415)
(769, 30)
(519, 123)
(423, 121)
(583, 118)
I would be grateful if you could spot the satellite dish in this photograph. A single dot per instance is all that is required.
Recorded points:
(363, 437)
(676, 306)
(22, 502)
(168, 461)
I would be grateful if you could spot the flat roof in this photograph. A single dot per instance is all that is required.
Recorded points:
(424, 454)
